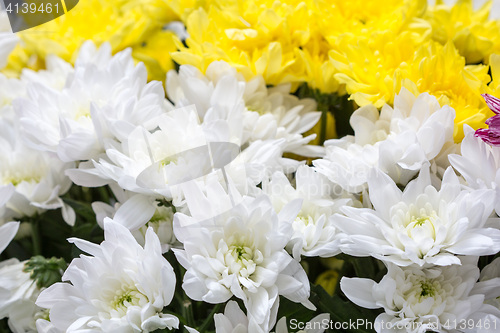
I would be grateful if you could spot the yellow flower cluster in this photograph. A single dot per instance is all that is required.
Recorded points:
(122, 23)
(360, 47)
(472, 32)
(442, 72)
(259, 37)
(284, 41)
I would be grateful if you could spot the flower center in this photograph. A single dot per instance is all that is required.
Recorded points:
(124, 298)
(257, 109)
(419, 221)
(242, 260)
(82, 112)
(17, 177)
(42, 314)
(422, 227)
(303, 221)
(121, 299)
(424, 296)
(427, 289)
(167, 160)
(162, 214)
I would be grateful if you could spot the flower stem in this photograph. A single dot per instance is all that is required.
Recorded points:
(104, 194)
(210, 318)
(187, 312)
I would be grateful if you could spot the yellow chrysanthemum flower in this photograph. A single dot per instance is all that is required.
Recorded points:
(122, 23)
(475, 36)
(154, 52)
(285, 41)
(367, 67)
(319, 71)
(375, 70)
(257, 41)
(441, 71)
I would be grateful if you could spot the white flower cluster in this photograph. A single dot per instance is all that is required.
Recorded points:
(202, 169)
(428, 229)
(199, 154)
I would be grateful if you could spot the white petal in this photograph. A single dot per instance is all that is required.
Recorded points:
(359, 291)
(383, 192)
(5, 193)
(7, 233)
(135, 212)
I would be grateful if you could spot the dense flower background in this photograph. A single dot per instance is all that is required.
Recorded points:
(252, 166)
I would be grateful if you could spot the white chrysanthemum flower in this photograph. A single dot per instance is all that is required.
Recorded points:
(55, 75)
(421, 225)
(234, 320)
(38, 177)
(18, 293)
(417, 300)
(239, 252)
(149, 162)
(122, 287)
(268, 113)
(479, 164)
(137, 213)
(102, 101)
(179, 150)
(162, 224)
(8, 40)
(399, 141)
(314, 233)
(180, 146)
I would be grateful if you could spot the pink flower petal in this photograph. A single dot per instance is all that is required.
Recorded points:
(492, 102)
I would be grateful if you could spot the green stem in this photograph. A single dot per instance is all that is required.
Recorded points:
(86, 194)
(358, 267)
(209, 319)
(187, 312)
(35, 237)
(104, 194)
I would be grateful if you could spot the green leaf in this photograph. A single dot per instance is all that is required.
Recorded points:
(45, 271)
(53, 233)
(365, 267)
